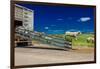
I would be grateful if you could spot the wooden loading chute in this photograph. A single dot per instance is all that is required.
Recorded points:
(24, 37)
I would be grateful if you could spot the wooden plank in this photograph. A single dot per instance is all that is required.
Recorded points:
(22, 41)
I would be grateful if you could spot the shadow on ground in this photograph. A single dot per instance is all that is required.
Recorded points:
(60, 49)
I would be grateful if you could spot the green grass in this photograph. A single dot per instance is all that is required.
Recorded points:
(82, 40)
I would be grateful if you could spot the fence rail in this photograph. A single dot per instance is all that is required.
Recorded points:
(43, 38)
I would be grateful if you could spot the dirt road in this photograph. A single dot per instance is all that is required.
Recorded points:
(36, 55)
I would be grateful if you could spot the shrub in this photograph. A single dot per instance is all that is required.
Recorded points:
(68, 38)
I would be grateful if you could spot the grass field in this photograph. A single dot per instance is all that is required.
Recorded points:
(81, 39)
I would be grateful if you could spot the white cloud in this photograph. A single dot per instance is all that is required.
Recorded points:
(53, 25)
(84, 19)
(59, 19)
(46, 27)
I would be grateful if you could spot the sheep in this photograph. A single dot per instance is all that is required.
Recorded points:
(73, 34)
(90, 39)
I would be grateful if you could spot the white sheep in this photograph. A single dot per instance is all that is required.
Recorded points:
(72, 34)
(90, 39)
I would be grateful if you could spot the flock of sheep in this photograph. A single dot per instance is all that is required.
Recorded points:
(75, 35)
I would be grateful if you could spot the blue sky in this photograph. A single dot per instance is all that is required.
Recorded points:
(59, 19)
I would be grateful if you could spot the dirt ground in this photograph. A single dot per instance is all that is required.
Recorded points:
(44, 54)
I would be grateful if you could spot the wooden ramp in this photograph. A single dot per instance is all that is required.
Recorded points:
(24, 37)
